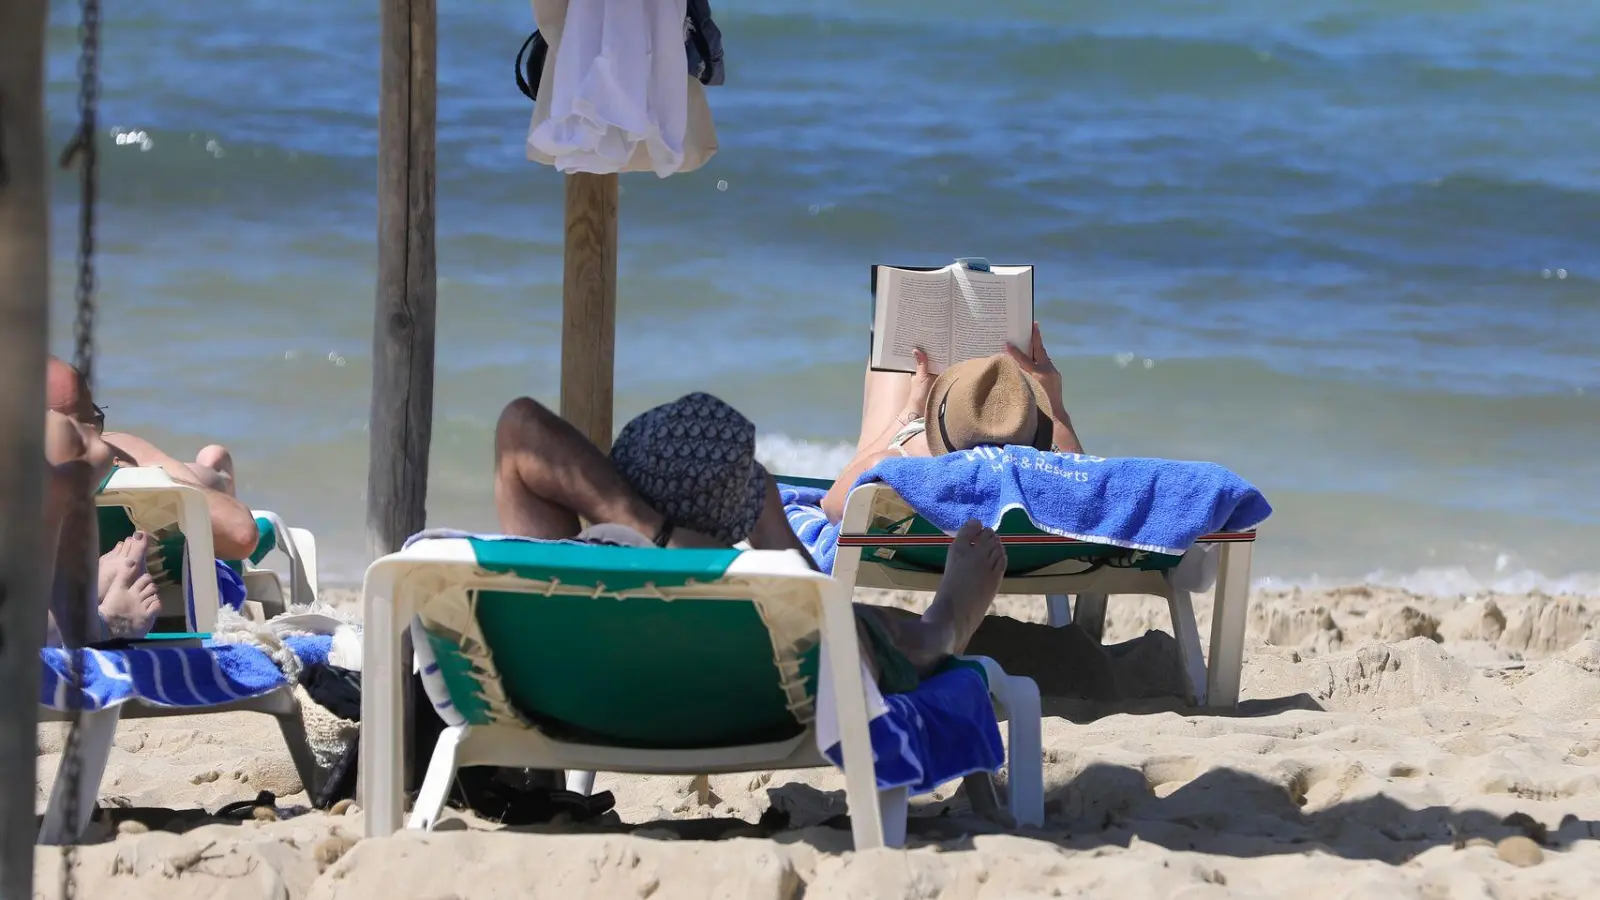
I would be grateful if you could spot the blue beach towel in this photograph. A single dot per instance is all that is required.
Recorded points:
(942, 730)
(186, 677)
(1155, 505)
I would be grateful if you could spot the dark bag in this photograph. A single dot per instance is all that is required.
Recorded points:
(703, 47)
(507, 795)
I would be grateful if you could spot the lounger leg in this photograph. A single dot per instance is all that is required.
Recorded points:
(580, 782)
(382, 709)
(981, 794)
(1058, 610)
(844, 668)
(96, 731)
(293, 729)
(1017, 700)
(1187, 633)
(1227, 625)
(1025, 753)
(893, 806)
(1090, 614)
(436, 784)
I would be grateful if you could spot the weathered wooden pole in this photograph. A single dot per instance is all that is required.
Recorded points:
(589, 305)
(24, 331)
(401, 423)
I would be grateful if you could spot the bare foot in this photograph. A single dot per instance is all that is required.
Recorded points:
(129, 601)
(972, 574)
(134, 548)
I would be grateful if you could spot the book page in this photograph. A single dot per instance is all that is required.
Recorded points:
(912, 310)
(991, 310)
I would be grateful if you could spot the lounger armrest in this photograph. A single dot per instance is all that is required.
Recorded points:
(194, 520)
(302, 579)
(142, 478)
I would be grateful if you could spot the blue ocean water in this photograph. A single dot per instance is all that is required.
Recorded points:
(1349, 249)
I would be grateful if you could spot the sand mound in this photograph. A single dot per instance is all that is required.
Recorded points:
(1548, 626)
(1568, 686)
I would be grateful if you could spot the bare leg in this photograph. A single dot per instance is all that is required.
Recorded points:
(548, 477)
(972, 575)
(883, 396)
(213, 467)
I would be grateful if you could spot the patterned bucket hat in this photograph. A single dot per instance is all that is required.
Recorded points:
(694, 461)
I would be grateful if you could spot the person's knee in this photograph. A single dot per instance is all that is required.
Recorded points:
(215, 456)
(521, 422)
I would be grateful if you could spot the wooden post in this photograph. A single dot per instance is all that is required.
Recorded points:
(401, 423)
(589, 305)
(24, 321)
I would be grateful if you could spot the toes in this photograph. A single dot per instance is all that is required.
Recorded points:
(969, 533)
(997, 556)
(121, 549)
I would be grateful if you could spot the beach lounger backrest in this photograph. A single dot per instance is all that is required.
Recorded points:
(637, 647)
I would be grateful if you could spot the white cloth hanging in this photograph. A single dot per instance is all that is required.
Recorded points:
(616, 95)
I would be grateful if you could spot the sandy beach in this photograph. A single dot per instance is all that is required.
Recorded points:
(1388, 744)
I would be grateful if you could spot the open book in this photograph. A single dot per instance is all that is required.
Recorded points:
(954, 314)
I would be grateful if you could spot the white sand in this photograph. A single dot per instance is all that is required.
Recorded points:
(1383, 742)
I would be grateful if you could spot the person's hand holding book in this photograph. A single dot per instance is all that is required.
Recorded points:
(1035, 360)
(921, 386)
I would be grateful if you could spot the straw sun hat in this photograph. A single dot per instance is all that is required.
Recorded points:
(987, 402)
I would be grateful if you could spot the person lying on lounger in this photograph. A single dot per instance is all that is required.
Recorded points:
(234, 532)
(1009, 398)
(124, 602)
(684, 475)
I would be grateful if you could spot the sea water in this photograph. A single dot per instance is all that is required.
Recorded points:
(1348, 248)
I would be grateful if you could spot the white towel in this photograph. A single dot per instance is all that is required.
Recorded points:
(620, 84)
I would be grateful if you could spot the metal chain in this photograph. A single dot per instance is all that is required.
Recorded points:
(82, 150)
(85, 150)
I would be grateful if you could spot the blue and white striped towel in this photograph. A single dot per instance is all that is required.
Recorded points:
(186, 677)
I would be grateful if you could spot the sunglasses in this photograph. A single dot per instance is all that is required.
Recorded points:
(98, 417)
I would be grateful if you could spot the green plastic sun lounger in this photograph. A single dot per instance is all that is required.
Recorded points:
(883, 543)
(147, 499)
(576, 657)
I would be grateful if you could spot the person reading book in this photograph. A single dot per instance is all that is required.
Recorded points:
(1009, 397)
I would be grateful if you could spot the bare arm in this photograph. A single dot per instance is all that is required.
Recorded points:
(833, 503)
(1035, 360)
(233, 529)
(1066, 439)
